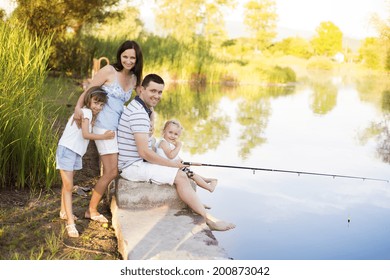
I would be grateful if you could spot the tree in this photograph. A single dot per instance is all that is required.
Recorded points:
(383, 28)
(113, 26)
(371, 53)
(60, 16)
(328, 40)
(2, 14)
(187, 18)
(260, 18)
(64, 21)
(213, 25)
(295, 46)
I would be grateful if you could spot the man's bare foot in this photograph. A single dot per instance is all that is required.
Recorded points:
(219, 225)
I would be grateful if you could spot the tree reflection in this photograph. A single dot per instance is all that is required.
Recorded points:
(380, 131)
(195, 108)
(383, 147)
(324, 98)
(370, 88)
(206, 126)
(253, 115)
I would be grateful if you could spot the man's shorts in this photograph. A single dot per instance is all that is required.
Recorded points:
(68, 160)
(106, 147)
(144, 171)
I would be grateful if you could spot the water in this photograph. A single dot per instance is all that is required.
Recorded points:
(337, 126)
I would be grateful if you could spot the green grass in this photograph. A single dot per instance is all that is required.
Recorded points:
(27, 136)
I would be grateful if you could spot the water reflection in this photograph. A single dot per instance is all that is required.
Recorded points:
(324, 97)
(204, 126)
(380, 130)
(384, 141)
(329, 127)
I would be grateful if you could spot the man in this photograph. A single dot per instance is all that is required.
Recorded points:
(137, 160)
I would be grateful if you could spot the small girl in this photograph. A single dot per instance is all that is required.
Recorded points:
(169, 147)
(73, 145)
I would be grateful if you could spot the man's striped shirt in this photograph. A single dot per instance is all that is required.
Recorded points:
(134, 119)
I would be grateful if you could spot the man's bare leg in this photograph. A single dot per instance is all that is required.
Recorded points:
(218, 225)
(188, 195)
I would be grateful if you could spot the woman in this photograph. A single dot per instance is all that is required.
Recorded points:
(118, 80)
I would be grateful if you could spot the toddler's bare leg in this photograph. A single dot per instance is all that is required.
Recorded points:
(205, 183)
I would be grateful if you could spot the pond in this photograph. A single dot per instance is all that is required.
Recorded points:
(328, 124)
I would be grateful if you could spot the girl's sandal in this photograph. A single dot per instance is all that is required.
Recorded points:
(72, 231)
(99, 218)
(63, 216)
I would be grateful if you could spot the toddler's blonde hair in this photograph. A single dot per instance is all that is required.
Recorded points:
(175, 122)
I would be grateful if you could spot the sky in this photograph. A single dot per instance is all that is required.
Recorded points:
(351, 16)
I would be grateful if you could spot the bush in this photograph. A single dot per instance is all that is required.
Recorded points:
(281, 75)
(320, 63)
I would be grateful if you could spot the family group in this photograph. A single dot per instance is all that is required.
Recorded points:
(124, 139)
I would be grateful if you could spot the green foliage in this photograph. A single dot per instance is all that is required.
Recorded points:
(72, 55)
(280, 75)
(182, 60)
(295, 46)
(191, 44)
(45, 17)
(64, 21)
(27, 142)
(372, 53)
(126, 24)
(186, 19)
(2, 14)
(386, 101)
(228, 43)
(387, 62)
(236, 50)
(260, 17)
(328, 40)
(320, 63)
(158, 51)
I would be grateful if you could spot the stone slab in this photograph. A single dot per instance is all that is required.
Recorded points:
(141, 195)
(151, 222)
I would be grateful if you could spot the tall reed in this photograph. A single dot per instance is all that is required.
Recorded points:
(27, 140)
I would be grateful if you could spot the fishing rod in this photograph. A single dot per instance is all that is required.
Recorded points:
(254, 169)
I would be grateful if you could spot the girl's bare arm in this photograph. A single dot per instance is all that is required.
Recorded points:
(141, 140)
(109, 134)
(171, 154)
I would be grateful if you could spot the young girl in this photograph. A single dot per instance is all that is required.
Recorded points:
(73, 145)
(169, 147)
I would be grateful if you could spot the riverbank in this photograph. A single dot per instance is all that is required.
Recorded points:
(30, 227)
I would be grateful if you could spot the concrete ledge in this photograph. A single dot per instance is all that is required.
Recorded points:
(151, 222)
(141, 195)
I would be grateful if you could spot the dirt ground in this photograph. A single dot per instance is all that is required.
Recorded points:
(30, 227)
